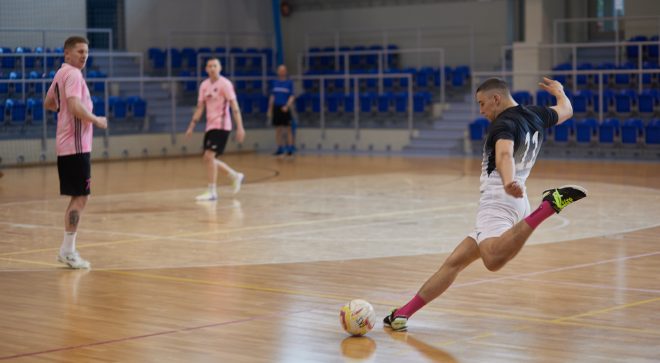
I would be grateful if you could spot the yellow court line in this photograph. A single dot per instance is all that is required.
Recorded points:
(607, 310)
(559, 321)
(31, 262)
(245, 229)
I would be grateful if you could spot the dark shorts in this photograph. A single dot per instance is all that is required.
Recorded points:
(75, 174)
(281, 118)
(216, 140)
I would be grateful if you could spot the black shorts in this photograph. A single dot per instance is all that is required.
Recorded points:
(216, 140)
(75, 174)
(281, 118)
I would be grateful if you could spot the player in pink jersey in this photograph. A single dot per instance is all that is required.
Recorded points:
(68, 95)
(216, 96)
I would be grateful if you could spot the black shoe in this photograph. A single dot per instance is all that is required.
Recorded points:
(397, 323)
(560, 197)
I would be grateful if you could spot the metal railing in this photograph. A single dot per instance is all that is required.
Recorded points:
(230, 65)
(599, 74)
(573, 47)
(229, 40)
(384, 36)
(382, 61)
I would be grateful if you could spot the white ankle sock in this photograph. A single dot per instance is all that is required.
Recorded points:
(68, 243)
(213, 189)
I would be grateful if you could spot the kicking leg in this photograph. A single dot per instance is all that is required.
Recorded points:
(463, 255)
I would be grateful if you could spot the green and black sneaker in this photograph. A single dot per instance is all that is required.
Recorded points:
(397, 323)
(560, 197)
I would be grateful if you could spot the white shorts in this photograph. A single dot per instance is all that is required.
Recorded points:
(497, 213)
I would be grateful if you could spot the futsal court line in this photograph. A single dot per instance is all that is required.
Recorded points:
(568, 320)
(150, 335)
(592, 286)
(253, 228)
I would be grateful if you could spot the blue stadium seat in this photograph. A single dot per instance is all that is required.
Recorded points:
(367, 100)
(117, 107)
(632, 131)
(333, 101)
(648, 78)
(624, 79)
(585, 130)
(582, 100)
(188, 86)
(401, 102)
(2, 113)
(609, 130)
(4, 87)
(632, 51)
(98, 106)
(385, 100)
(608, 100)
(421, 100)
(562, 78)
(349, 103)
(624, 100)
(137, 107)
(544, 98)
(302, 102)
(246, 103)
(16, 87)
(35, 109)
(584, 79)
(15, 109)
(316, 103)
(563, 131)
(653, 132)
(653, 49)
(523, 98)
(189, 56)
(647, 101)
(176, 58)
(478, 129)
(606, 76)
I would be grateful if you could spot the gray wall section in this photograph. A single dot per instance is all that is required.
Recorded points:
(646, 27)
(150, 22)
(490, 21)
(51, 14)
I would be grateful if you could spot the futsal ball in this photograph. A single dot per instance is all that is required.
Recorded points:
(357, 317)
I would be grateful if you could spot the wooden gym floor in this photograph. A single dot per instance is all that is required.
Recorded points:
(260, 277)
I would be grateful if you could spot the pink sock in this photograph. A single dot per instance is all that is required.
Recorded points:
(542, 213)
(411, 307)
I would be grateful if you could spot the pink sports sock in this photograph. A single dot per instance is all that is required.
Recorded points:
(542, 213)
(411, 307)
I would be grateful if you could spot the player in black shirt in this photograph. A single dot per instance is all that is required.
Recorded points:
(503, 220)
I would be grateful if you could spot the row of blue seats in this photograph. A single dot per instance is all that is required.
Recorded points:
(588, 131)
(18, 111)
(339, 102)
(424, 77)
(369, 102)
(649, 51)
(327, 61)
(187, 57)
(585, 101)
(621, 79)
(11, 62)
(37, 87)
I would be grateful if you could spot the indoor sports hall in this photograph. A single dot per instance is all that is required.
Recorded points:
(359, 183)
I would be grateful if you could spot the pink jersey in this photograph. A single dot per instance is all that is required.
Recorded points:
(216, 96)
(74, 136)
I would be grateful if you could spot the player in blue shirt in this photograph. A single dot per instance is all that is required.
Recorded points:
(279, 110)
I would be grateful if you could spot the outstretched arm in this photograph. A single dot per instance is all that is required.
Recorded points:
(563, 108)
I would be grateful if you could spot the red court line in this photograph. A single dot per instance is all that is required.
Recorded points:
(136, 337)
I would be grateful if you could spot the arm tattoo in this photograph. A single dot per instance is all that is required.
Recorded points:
(74, 218)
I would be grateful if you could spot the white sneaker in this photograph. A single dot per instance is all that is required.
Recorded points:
(73, 260)
(238, 180)
(206, 197)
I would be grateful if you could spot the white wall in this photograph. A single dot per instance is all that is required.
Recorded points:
(489, 18)
(51, 14)
(149, 22)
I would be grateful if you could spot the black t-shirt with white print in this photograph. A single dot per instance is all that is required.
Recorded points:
(525, 126)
